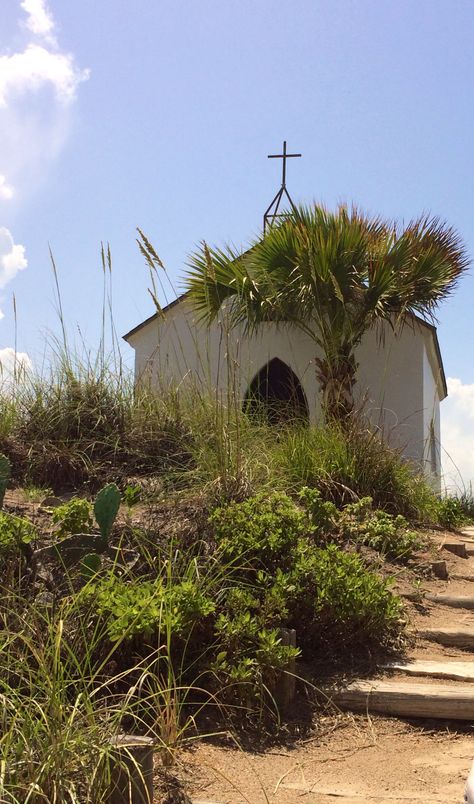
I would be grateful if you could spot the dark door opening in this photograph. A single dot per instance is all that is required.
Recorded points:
(276, 394)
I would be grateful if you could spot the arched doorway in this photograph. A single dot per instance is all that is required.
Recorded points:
(276, 393)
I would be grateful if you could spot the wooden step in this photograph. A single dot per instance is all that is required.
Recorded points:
(408, 699)
(454, 601)
(456, 671)
(450, 637)
(458, 548)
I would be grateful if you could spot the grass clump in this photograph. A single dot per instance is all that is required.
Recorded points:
(84, 425)
(455, 511)
(348, 463)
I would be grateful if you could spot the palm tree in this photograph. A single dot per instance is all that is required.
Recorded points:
(333, 275)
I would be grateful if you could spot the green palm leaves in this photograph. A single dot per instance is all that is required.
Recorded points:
(334, 275)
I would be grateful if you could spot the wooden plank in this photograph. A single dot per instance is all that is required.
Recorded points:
(454, 601)
(408, 699)
(458, 548)
(451, 637)
(456, 671)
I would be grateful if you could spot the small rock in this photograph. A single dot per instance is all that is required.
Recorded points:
(51, 502)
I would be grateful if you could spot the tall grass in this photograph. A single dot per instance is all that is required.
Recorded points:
(83, 426)
(68, 686)
(347, 463)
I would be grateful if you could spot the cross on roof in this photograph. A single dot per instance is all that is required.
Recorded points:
(272, 212)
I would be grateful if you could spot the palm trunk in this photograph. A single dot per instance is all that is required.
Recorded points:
(336, 375)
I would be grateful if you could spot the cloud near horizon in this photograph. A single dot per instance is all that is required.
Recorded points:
(12, 258)
(13, 366)
(457, 435)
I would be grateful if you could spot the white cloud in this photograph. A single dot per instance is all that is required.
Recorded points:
(13, 366)
(36, 67)
(457, 434)
(12, 258)
(38, 86)
(39, 19)
(6, 190)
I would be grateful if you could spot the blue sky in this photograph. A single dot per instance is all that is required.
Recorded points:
(161, 114)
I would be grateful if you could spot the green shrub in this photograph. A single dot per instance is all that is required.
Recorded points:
(15, 534)
(132, 495)
(451, 513)
(261, 532)
(251, 659)
(323, 514)
(387, 534)
(74, 516)
(147, 609)
(334, 602)
(323, 593)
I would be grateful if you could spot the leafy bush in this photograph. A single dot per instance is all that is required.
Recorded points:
(323, 514)
(451, 513)
(336, 603)
(15, 534)
(387, 534)
(149, 608)
(262, 532)
(323, 593)
(132, 495)
(252, 658)
(75, 516)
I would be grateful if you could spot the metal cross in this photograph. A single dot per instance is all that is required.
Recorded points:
(283, 156)
(271, 213)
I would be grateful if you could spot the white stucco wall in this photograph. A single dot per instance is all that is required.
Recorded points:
(397, 379)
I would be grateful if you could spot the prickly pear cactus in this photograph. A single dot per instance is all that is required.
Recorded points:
(5, 471)
(90, 566)
(105, 510)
